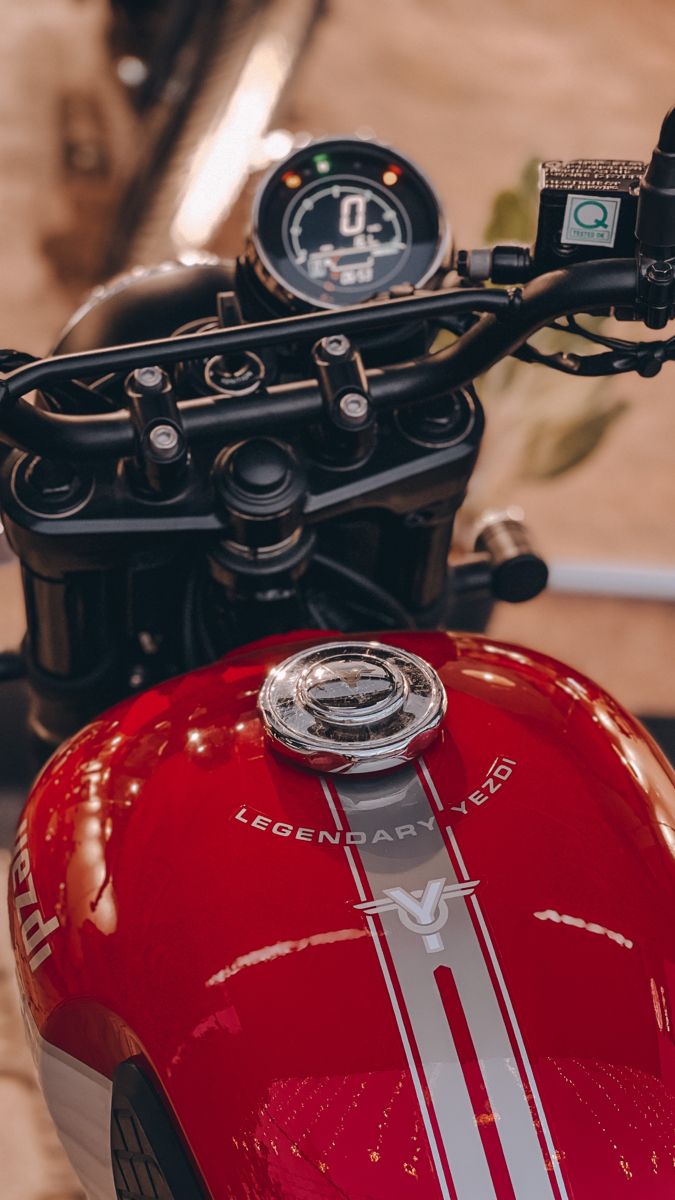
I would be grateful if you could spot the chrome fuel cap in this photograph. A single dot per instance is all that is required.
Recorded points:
(352, 707)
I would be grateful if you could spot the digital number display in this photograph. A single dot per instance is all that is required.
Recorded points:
(344, 235)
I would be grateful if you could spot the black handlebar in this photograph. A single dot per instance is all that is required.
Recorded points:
(586, 287)
(510, 317)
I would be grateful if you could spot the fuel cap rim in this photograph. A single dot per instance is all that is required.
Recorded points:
(359, 707)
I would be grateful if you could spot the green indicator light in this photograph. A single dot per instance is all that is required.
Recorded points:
(322, 163)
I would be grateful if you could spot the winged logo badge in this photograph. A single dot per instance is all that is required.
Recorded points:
(422, 911)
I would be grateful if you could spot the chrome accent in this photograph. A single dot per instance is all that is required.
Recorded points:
(148, 377)
(258, 552)
(353, 408)
(494, 516)
(337, 345)
(354, 707)
(210, 375)
(163, 439)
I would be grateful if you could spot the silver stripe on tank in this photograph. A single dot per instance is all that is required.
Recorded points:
(508, 1004)
(412, 1065)
(423, 907)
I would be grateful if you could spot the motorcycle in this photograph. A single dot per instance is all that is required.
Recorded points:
(313, 911)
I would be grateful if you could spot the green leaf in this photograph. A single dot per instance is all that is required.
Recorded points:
(514, 211)
(553, 447)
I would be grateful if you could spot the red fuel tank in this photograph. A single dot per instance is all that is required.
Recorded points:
(454, 980)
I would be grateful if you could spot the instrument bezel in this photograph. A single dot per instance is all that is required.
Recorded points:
(296, 296)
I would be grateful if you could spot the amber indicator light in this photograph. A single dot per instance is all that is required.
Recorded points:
(391, 175)
(291, 179)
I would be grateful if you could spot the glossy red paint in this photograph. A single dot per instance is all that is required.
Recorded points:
(202, 925)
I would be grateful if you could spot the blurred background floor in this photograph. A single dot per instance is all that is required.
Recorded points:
(472, 93)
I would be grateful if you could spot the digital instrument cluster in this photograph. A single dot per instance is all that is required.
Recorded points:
(343, 220)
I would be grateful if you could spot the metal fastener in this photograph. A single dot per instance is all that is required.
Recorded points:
(353, 408)
(163, 439)
(336, 346)
(149, 377)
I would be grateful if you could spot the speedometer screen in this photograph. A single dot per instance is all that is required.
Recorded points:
(341, 221)
(346, 235)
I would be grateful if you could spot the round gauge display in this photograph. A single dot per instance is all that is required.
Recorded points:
(341, 221)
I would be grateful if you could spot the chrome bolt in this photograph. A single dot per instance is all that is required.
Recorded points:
(353, 408)
(163, 439)
(149, 377)
(336, 346)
